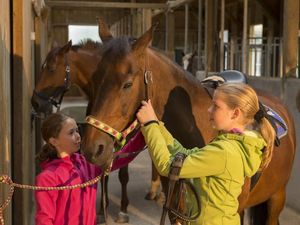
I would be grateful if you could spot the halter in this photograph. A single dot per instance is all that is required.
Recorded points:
(56, 98)
(120, 137)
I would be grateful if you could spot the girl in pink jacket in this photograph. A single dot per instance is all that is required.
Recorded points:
(63, 166)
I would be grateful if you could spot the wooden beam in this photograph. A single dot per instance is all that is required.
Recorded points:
(120, 5)
(177, 3)
(170, 5)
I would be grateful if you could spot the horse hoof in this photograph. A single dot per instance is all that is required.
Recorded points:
(160, 199)
(100, 219)
(122, 218)
(150, 196)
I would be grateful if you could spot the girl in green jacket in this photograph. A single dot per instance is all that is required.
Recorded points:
(244, 145)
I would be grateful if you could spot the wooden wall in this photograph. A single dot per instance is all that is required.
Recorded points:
(5, 118)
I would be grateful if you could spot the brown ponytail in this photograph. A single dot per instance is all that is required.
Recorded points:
(48, 152)
(51, 128)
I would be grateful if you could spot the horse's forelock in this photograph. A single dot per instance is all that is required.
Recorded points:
(51, 56)
(117, 48)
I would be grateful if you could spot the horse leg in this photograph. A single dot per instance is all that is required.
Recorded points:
(123, 178)
(103, 201)
(155, 183)
(275, 206)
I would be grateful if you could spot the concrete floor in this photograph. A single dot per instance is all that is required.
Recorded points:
(143, 212)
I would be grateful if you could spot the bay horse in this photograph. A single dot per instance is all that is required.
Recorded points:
(181, 102)
(54, 80)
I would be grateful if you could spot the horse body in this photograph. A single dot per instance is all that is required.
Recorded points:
(181, 102)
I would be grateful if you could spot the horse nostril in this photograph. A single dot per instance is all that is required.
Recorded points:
(100, 150)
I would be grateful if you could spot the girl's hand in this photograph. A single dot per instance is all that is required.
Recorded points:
(146, 113)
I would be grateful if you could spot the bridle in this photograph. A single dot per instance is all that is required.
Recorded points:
(120, 136)
(56, 98)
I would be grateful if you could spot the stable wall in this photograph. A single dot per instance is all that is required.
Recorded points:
(5, 103)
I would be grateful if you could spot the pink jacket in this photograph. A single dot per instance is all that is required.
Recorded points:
(77, 206)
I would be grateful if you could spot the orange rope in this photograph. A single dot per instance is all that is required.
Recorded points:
(7, 180)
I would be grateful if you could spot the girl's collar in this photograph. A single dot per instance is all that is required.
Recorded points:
(236, 131)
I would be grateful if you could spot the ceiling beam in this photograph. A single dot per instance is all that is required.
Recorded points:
(89, 4)
(170, 5)
(176, 3)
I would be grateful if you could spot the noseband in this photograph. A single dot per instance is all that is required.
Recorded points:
(56, 98)
(120, 137)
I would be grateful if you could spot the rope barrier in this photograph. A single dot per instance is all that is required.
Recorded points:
(5, 179)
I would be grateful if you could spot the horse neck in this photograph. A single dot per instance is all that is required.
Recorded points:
(84, 64)
(175, 90)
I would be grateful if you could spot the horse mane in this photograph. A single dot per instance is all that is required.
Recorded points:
(176, 67)
(116, 49)
(87, 44)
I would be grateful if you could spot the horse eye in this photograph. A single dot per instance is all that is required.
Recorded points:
(127, 85)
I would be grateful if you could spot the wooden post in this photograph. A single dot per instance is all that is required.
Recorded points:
(199, 62)
(170, 34)
(186, 28)
(210, 54)
(245, 36)
(21, 108)
(5, 102)
(222, 35)
(147, 19)
(290, 37)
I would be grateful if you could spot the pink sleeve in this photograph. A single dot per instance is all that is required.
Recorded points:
(45, 200)
(135, 144)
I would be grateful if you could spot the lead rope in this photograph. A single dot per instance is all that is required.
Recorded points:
(5, 179)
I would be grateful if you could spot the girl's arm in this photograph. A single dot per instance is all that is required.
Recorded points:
(206, 161)
(45, 200)
(135, 144)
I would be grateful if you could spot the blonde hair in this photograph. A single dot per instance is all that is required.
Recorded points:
(242, 96)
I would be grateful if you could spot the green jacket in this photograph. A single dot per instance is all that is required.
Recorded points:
(221, 167)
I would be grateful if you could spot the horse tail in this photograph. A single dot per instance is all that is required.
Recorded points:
(258, 214)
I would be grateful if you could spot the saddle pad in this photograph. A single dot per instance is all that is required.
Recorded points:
(281, 125)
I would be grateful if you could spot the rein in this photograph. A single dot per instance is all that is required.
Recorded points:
(5, 179)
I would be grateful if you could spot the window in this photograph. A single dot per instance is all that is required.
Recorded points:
(256, 50)
(77, 33)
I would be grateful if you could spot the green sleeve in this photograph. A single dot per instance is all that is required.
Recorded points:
(158, 149)
(206, 161)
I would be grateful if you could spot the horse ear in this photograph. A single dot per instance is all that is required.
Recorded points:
(103, 30)
(54, 45)
(144, 41)
(66, 48)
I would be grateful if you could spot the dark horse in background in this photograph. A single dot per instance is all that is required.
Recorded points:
(181, 102)
(54, 81)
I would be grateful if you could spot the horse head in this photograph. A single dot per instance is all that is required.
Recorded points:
(54, 79)
(120, 89)
(66, 65)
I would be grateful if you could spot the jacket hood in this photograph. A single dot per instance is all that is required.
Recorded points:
(251, 145)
